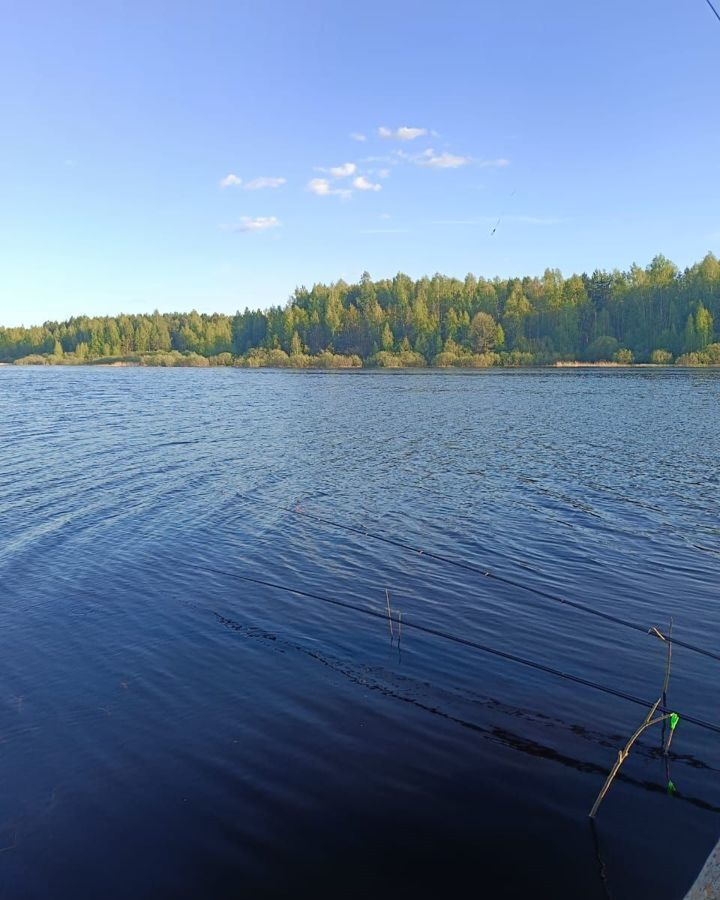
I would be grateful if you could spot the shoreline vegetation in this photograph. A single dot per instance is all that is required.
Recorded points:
(325, 363)
(655, 316)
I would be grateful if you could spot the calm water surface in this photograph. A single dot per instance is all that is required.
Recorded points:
(170, 730)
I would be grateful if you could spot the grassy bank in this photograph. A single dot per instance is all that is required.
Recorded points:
(279, 359)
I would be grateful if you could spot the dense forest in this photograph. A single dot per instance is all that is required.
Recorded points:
(656, 314)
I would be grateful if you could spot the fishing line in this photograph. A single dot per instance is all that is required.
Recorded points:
(457, 639)
(501, 216)
(486, 573)
(717, 14)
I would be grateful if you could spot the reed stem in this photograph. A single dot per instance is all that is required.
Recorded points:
(647, 723)
(389, 612)
(625, 752)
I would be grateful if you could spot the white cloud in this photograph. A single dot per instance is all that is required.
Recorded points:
(385, 216)
(259, 223)
(404, 133)
(443, 160)
(321, 188)
(409, 134)
(362, 184)
(257, 184)
(384, 173)
(231, 181)
(357, 136)
(343, 171)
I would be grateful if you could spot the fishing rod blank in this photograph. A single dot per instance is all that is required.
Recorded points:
(486, 573)
(457, 639)
(710, 4)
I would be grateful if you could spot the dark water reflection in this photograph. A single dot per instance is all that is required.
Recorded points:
(167, 730)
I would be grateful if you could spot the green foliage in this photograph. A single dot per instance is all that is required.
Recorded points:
(482, 360)
(329, 360)
(173, 358)
(703, 326)
(222, 359)
(405, 359)
(387, 339)
(517, 358)
(445, 360)
(483, 333)
(709, 357)
(624, 356)
(661, 357)
(295, 344)
(33, 359)
(603, 348)
(279, 359)
(399, 322)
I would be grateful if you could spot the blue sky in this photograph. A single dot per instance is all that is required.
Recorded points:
(590, 129)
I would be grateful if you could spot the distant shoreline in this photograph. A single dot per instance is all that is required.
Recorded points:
(368, 369)
(657, 315)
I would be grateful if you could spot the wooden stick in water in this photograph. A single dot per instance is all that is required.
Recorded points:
(389, 611)
(624, 753)
(647, 723)
(668, 664)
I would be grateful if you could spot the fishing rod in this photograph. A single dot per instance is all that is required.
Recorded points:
(486, 573)
(717, 14)
(457, 639)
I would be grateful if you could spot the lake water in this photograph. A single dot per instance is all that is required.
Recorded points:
(168, 729)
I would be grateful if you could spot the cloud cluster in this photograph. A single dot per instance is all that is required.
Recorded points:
(404, 133)
(346, 179)
(230, 181)
(343, 171)
(443, 160)
(255, 184)
(362, 184)
(322, 187)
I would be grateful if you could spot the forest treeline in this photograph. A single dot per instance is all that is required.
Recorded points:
(656, 314)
